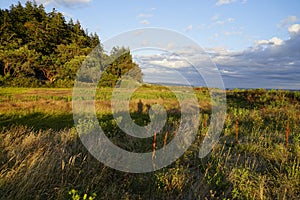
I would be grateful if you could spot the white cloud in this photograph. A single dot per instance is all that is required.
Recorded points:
(230, 19)
(288, 20)
(160, 67)
(223, 2)
(152, 70)
(63, 2)
(170, 63)
(262, 42)
(294, 29)
(188, 28)
(144, 22)
(217, 50)
(229, 33)
(276, 41)
(165, 60)
(215, 18)
(273, 41)
(143, 15)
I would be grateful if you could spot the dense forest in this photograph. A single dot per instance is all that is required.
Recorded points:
(42, 49)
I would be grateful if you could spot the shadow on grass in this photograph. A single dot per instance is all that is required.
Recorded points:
(59, 121)
(38, 120)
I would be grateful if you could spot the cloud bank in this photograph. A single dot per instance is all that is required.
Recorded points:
(270, 63)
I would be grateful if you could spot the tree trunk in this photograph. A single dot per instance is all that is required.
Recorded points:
(48, 75)
(6, 68)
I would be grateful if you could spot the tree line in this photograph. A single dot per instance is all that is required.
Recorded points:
(42, 49)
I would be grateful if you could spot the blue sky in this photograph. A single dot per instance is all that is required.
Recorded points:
(254, 40)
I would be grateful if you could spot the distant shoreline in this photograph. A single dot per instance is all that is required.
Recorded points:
(229, 88)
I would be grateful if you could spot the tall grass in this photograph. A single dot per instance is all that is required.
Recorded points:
(257, 157)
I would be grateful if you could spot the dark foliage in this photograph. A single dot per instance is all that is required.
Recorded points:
(42, 49)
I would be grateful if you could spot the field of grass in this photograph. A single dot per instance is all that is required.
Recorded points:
(257, 156)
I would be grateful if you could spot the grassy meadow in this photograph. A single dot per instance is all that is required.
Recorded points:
(257, 156)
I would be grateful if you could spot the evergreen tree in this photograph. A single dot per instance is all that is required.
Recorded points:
(40, 46)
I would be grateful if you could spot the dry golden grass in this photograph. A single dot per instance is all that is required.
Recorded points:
(41, 156)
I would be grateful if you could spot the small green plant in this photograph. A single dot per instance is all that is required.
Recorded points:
(76, 196)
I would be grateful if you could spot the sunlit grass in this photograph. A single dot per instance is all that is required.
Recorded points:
(42, 157)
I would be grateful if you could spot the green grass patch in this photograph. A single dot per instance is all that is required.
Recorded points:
(257, 156)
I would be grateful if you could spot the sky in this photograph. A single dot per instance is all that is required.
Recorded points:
(254, 43)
